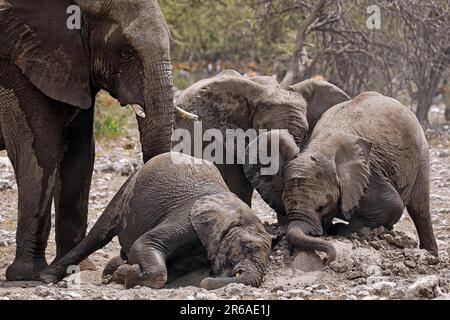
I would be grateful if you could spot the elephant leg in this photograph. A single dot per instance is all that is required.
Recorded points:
(238, 183)
(33, 144)
(380, 206)
(419, 210)
(148, 254)
(73, 185)
(104, 230)
(2, 140)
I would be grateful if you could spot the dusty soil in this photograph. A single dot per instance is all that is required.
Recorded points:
(377, 264)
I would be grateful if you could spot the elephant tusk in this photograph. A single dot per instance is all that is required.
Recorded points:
(138, 110)
(186, 115)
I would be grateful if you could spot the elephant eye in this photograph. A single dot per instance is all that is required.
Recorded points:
(127, 53)
(247, 249)
(321, 209)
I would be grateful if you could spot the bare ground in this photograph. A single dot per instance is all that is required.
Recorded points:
(377, 264)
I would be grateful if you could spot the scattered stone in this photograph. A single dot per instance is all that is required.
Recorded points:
(376, 245)
(42, 291)
(5, 185)
(339, 267)
(382, 288)
(371, 298)
(234, 289)
(425, 287)
(432, 260)
(72, 295)
(410, 264)
(206, 296)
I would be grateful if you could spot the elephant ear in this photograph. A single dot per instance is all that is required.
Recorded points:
(35, 36)
(320, 96)
(213, 216)
(353, 170)
(267, 176)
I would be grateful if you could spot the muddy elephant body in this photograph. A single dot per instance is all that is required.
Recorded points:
(366, 161)
(170, 215)
(49, 76)
(230, 101)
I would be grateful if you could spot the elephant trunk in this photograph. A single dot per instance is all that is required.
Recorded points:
(253, 276)
(299, 239)
(156, 128)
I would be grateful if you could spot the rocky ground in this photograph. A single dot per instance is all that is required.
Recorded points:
(373, 264)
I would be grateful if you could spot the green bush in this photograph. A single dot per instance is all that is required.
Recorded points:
(110, 118)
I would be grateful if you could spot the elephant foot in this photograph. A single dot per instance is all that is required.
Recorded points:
(131, 276)
(53, 274)
(25, 270)
(112, 266)
(87, 265)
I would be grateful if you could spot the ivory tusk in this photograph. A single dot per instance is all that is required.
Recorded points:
(186, 115)
(138, 110)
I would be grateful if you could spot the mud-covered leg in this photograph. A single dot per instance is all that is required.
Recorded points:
(419, 210)
(33, 144)
(75, 175)
(380, 206)
(149, 253)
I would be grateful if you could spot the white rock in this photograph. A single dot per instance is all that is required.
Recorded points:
(42, 291)
(382, 288)
(371, 298)
(234, 289)
(425, 287)
(443, 297)
(206, 296)
(72, 295)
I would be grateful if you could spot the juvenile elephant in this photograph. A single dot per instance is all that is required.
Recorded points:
(366, 161)
(232, 101)
(167, 213)
(51, 68)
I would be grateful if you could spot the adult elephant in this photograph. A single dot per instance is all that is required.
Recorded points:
(230, 101)
(49, 76)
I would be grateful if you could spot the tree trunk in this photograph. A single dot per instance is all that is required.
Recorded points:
(300, 57)
(424, 102)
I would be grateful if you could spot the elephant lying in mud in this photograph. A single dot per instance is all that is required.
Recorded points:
(169, 215)
(366, 161)
(232, 101)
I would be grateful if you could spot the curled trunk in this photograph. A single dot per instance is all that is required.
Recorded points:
(249, 279)
(299, 239)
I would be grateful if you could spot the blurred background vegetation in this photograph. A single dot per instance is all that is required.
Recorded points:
(407, 58)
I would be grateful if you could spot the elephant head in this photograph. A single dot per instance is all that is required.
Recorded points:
(319, 96)
(235, 240)
(121, 46)
(246, 103)
(313, 185)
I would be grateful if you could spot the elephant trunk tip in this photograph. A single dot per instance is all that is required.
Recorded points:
(299, 239)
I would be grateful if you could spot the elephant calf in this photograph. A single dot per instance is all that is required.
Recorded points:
(172, 213)
(366, 161)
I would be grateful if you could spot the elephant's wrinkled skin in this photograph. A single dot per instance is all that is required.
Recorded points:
(366, 161)
(170, 213)
(232, 101)
(49, 76)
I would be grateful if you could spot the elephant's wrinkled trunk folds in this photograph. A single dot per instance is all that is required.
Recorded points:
(252, 276)
(299, 239)
(246, 278)
(156, 127)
